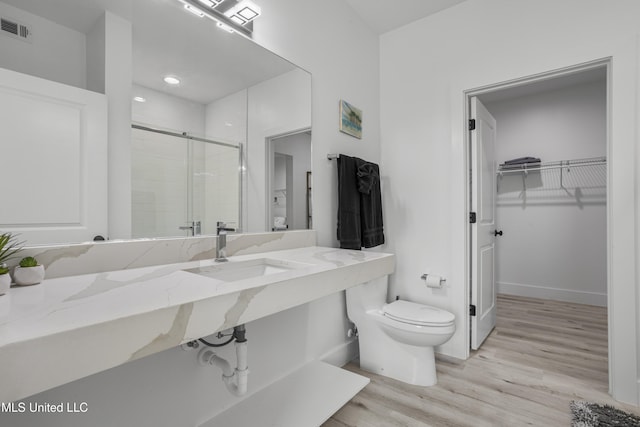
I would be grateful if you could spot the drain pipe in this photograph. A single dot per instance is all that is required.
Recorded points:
(235, 379)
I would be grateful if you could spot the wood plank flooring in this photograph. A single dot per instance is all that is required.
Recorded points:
(541, 355)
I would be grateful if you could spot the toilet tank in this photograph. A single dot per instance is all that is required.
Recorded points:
(367, 296)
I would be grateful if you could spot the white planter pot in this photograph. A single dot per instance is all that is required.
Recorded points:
(28, 275)
(5, 283)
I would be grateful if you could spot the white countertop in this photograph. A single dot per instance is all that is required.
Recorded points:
(66, 328)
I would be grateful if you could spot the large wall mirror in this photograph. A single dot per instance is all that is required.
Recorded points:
(230, 142)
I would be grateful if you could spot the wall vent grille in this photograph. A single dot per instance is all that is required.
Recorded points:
(15, 29)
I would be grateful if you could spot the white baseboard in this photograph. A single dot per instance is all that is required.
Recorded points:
(568, 295)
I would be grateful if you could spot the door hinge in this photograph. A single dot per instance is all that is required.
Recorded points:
(472, 310)
(472, 124)
(472, 217)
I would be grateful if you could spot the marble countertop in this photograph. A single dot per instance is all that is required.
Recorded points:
(69, 327)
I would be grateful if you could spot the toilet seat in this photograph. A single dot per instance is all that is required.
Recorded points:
(417, 314)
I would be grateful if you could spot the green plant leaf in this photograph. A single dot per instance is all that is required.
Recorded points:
(9, 246)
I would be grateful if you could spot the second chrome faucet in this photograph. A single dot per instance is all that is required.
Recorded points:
(221, 241)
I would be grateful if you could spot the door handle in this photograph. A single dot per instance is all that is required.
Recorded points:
(195, 228)
(497, 233)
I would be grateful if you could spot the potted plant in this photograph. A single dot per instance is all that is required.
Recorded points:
(28, 272)
(9, 247)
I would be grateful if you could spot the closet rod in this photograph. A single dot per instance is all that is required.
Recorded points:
(562, 164)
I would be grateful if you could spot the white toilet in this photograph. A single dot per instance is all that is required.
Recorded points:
(397, 339)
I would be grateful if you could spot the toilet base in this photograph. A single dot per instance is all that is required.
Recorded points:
(381, 355)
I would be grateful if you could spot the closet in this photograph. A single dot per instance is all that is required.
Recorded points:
(552, 213)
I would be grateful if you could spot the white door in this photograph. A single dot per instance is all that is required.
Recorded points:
(483, 197)
(54, 160)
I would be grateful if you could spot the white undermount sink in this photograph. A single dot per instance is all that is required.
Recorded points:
(232, 271)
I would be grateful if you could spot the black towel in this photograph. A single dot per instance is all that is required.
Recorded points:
(359, 204)
(348, 203)
(370, 204)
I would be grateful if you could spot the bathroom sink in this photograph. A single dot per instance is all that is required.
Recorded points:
(240, 270)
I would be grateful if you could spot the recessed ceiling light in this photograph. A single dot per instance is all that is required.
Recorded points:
(139, 99)
(172, 80)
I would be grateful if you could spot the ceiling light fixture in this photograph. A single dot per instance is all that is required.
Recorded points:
(172, 80)
(243, 12)
(229, 15)
(139, 99)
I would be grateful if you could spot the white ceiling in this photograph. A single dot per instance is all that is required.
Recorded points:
(382, 16)
(211, 63)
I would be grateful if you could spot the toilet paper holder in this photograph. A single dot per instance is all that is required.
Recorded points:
(434, 281)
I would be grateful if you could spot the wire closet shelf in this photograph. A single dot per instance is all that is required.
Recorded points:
(561, 164)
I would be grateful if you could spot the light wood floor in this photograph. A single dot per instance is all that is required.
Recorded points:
(541, 355)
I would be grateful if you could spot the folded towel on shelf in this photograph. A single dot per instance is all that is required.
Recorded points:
(519, 162)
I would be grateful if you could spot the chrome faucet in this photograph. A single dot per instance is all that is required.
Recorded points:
(221, 241)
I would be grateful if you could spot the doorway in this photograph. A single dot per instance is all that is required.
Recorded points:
(288, 182)
(548, 192)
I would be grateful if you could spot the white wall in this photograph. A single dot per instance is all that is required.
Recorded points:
(425, 69)
(167, 112)
(56, 53)
(226, 118)
(118, 80)
(554, 241)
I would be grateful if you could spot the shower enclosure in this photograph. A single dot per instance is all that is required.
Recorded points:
(182, 185)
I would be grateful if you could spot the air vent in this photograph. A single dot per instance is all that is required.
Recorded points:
(15, 29)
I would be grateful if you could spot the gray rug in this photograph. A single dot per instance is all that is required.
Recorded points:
(585, 414)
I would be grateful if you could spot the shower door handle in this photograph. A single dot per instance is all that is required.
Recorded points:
(195, 228)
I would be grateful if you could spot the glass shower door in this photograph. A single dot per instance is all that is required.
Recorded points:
(159, 184)
(178, 182)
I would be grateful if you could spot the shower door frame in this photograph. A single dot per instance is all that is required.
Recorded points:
(241, 164)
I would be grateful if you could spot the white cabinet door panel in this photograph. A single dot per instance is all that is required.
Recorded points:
(54, 160)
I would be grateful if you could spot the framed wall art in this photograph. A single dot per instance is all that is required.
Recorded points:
(350, 119)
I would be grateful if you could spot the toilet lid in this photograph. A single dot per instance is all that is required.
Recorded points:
(420, 314)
